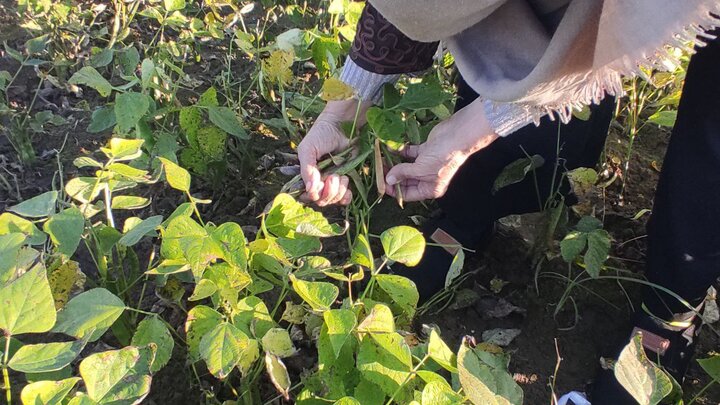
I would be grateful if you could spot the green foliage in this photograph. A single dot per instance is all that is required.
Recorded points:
(644, 380)
(348, 309)
(591, 238)
(484, 378)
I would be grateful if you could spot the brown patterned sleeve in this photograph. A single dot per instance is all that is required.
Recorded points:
(380, 47)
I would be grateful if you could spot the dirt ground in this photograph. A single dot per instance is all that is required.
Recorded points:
(578, 340)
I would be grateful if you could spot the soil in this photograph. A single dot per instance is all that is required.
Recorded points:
(575, 338)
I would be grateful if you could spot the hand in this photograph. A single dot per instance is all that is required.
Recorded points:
(436, 161)
(325, 137)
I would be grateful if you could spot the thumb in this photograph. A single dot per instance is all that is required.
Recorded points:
(400, 173)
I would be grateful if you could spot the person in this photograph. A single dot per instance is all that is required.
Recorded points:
(522, 65)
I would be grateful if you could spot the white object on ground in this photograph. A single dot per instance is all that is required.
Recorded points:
(577, 398)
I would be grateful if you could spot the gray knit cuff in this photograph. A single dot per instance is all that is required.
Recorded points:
(506, 118)
(368, 85)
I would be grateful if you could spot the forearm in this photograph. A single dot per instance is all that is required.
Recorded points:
(380, 53)
(471, 130)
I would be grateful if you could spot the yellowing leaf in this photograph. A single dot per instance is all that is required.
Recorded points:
(276, 67)
(64, 280)
(334, 89)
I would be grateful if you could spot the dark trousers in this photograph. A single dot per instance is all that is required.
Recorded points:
(684, 230)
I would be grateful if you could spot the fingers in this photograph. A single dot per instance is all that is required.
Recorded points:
(410, 151)
(400, 173)
(309, 172)
(334, 190)
(413, 190)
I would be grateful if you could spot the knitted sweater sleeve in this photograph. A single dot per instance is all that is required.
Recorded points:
(380, 53)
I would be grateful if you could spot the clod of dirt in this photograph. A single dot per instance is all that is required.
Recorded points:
(494, 307)
(500, 337)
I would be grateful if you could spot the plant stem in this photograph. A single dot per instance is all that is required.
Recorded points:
(408, 378)
(108, 207)
(702, 391)
(6, 374)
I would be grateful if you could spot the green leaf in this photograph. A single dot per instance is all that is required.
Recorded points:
(640, 377)
(403, 244)
(402, 291)
(190, 120)
(277, 341)
(385, 359)
(582, 178)
(387, 125)
(84, 189)
(147, 67)
(10, 223)
(516, 171)
(153, 330)
(347, 401)
(288, 217)
(118, 376)
(441, 353)
(380, 320)
(81, 399)
(65, 229)
(127, 60)
(102, 119)
(222, 349)
(426, 94)
(201, 320)
(456, 267)
(100, 57)
(318, 294)
(203, 289)
(485, 379)
(340, 324)
(226, 120)
(598, 242)
(252, 315)
(177, 177)
(711, 365)
(47, 392)
(208, 98)
(45, 357)
(572, 245)
(129, 108)
(39, 206)
(664, 118)
(588, 224)
(361, 253)
(174, 5)
(10, 251)
(129, 202)
(121, 149)
(26, 304)
(278, 374)
(229, 280)
(440, 393)
(232, 239)
(92, 312)
(133, 236)
(88, 76)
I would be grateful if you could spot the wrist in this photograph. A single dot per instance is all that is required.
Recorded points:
(345, 111)
(471, 130)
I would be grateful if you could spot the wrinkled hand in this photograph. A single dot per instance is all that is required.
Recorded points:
(325, 137)
(435, 162)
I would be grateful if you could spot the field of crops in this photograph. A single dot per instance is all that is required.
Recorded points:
(154, 249)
